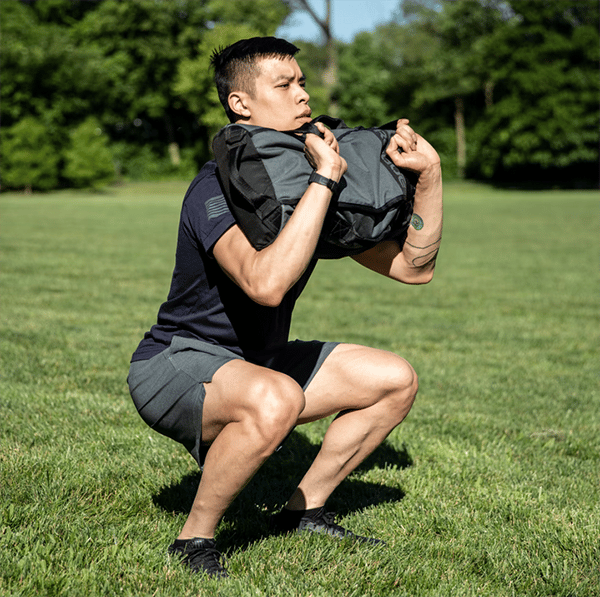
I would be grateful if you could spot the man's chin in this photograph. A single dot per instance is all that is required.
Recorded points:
(303, 120)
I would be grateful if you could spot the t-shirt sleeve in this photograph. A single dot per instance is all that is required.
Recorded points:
(206, 215)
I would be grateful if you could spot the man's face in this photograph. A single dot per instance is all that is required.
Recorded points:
(279, 101)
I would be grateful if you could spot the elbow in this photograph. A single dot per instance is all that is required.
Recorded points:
(425, 277)
(267, 300)
(266, 295)
(421, 273)
(418, 277)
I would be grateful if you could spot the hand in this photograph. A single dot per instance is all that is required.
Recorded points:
(409, 150)
(324, 154)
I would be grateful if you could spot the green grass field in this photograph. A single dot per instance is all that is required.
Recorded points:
(491, 487)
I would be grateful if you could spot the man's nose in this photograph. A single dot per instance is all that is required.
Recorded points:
(303, 95)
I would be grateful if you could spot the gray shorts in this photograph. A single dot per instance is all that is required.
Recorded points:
(168, 389)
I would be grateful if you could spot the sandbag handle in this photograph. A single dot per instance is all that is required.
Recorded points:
(305, 129)
(331, 122)
(310, 127)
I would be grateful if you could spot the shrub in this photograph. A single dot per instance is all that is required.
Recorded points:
(29, 158)
(88, 160)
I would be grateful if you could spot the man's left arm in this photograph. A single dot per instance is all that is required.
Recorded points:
(415, 262)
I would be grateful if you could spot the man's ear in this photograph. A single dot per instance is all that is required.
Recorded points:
(238, 102)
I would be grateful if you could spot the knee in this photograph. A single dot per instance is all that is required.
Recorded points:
(276, 402)
(402, 385)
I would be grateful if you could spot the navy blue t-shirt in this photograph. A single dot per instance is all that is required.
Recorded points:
(203, 302)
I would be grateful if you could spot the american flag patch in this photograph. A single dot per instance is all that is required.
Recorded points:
(216, 206)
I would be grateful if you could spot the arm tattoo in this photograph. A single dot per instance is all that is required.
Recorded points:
(427, 258)
(426, 246)
(416, 222)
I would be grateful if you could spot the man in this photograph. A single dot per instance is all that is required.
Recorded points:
(217, 372)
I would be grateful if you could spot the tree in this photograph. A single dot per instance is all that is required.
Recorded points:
(382, 73)
(45, 74)
(365, 74)
(453, 64)
(543, 121)
(64, 60)
(29, 160)
(88, 160)
(504, 89)
(141, 43)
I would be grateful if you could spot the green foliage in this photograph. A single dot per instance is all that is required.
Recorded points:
(522, 75)
(45, 73)
(488, 489)
(136, 163)
(122, 62)
(262, 15)
(364, 73)
(195, 78)
(526, 78)
(88, 160)
(29, 159)
(545, 109)
(141, 43)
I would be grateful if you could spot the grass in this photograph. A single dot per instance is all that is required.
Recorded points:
(490, 487)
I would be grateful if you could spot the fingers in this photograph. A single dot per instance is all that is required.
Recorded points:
(328, 136)
(406, 137)
(322, 154)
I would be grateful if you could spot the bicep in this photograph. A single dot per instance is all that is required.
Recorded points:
(250, 269)
(233, 253)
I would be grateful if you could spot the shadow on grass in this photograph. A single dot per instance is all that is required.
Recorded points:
(247, 519)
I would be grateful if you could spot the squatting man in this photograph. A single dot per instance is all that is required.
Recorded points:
(217, 372)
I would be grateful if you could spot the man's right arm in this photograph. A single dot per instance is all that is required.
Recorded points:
(267, 275)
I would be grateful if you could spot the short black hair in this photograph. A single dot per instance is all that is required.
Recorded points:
(236, 65)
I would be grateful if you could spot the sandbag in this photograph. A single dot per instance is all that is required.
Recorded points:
(264, 174)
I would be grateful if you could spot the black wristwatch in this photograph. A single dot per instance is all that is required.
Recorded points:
(332, 185)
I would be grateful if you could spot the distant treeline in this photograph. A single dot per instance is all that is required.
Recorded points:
(101, 90)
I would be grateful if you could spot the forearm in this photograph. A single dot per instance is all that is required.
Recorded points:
(424, 234)
(274, 270)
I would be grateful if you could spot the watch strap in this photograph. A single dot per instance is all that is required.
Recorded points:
(327, 182)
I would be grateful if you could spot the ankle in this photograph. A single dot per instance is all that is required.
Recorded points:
(307, 513)
(183, 540)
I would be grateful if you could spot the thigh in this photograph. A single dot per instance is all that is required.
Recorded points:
(240, 390)
(299, 359)
(354, 377)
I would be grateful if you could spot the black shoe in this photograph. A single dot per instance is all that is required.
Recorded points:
(321, 522)
(201, 555)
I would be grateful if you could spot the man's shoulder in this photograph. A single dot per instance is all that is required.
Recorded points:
(205, 213)
(205, 193)
(206, 182)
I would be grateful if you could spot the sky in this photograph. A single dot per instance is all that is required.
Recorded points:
(348, 17)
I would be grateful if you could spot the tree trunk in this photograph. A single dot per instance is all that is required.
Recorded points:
(461, 143)
(330, 74)
(331, 70)
(489, 93)
(173, 146)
